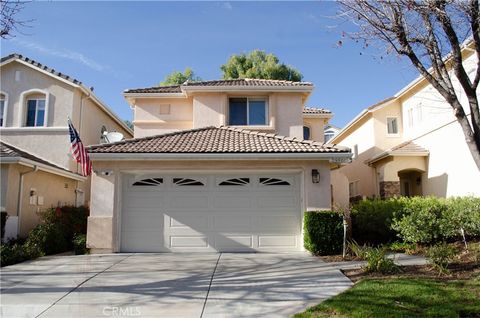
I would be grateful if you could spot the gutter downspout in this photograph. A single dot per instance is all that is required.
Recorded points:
(19, 199)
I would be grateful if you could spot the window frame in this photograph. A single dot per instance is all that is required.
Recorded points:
(37, 100)
(309, 132)
(248, 98)
(5, 108)
(353, 184)
(24, 97)
(396, 134)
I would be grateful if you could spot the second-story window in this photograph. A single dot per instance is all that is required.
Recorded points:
(306, 132)
(392, 125)
(2, 110)
(247, 111)
(35, 112)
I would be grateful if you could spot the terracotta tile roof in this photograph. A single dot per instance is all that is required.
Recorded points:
(315, 111)
(9, 151)
(409, 147)
(39, 65)
(217, 140)
(245, 82)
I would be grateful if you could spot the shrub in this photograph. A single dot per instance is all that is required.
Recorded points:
(358, 250)
(323, 232)
(377, 261)
(440, 256)
(464, 212)
(423, 220)
(372, 219)
(48, 238)
(403, 247)
(80, 244)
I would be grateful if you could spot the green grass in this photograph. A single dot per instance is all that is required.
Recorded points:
(402, 297)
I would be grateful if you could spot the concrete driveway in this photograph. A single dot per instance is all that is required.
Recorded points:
(168, 285)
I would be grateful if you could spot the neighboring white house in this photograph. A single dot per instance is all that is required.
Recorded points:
(409, 144)
(215, 166)
(37, 171)
(330, 131)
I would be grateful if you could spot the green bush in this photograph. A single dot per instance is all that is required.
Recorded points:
(80, 244)
(464, 212)
(372, 219)
(323, 232)
(429, 220)
(402, 247)
(359, 251)
(440, 256)
(377, 261)
(48, 238)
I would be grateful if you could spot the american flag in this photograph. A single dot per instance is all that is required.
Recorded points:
(78, 151)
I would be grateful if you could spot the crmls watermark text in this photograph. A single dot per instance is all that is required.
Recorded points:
(115, 311)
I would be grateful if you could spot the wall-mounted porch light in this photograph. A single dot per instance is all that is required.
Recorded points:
(315, 176)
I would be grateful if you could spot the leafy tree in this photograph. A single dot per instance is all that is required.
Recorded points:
(178, 78)
(258, 64)
(431, 34)
(9, 20)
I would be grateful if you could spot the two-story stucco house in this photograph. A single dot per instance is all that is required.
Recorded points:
(409, 144)
(37, 170)
(214, 166)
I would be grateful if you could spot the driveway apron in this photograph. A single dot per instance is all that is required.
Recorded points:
(168, 285)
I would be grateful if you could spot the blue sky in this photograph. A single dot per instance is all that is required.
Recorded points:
(118, 45)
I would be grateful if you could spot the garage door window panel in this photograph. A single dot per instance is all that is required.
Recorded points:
(273, 182)
(187, 182)
(150, 182)
(235, 182)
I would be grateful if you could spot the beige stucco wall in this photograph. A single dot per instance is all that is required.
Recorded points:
(357, 170)
(148, 121)
(106, 190)
(382, 139)
(340, 193)
(56, 191)
(211, 109)
(316, 126)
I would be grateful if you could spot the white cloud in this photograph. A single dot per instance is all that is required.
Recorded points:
(62, 53)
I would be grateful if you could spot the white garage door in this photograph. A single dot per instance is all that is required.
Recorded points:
(188, 212)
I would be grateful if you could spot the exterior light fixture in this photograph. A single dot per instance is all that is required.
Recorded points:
(315, 176)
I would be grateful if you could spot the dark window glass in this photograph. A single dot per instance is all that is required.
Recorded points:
(256, 112)
(238, 111)
(306, 133)
(31, 109)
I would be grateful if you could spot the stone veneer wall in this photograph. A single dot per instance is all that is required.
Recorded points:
(389, 189)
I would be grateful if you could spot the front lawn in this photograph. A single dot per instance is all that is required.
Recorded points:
(403, 297)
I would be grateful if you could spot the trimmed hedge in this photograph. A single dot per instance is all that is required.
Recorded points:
(323, 232)
(372, 219)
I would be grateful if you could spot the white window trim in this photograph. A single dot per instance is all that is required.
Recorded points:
(309, 131)
(267, 111)
(23, 106)
(398, 128)
(5, 109)
(355, 185)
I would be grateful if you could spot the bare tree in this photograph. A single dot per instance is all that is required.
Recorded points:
(10, 21)
(433, 34)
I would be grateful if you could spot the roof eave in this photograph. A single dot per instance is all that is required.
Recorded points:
(42, 167)
(337, 157)
(397, 154)
(325, 115)
(194, 89)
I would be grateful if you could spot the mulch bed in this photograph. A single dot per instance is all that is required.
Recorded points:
(467, 270)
